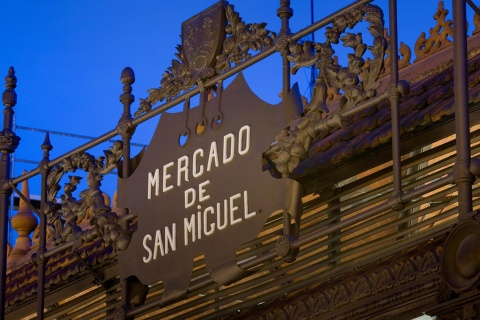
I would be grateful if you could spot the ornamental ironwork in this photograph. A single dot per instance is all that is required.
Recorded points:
(358, 81)
(205, 54)
(439, 35)
(63, 218)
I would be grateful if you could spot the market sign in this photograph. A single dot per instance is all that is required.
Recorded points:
(208, 196)
(201, 188)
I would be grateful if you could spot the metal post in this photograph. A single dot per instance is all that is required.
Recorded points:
(285, 13)
(463, 177)
(41, 259)
(313, 71)
(4, 204)
(125, 127)
(394, 104)
(8, 143)
(126, 130)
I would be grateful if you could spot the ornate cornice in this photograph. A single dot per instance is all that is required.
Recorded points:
(360, 295)
(439, 35)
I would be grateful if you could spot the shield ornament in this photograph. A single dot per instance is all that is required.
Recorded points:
(202, 40)
(207, 196)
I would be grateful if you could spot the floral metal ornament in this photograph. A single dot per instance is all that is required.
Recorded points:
(405, 55)
(63, 218)
(241, 39)
(197, 61)
(358, 81)
(439, 35)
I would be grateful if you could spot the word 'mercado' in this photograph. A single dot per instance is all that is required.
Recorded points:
(210, 216)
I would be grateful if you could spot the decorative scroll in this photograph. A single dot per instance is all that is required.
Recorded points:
(241, 39)
(176, 79)
(63, 218)
(357, 81)
(438, 35)
(405, 55)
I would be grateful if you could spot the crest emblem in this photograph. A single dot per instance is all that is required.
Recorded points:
(202, 40)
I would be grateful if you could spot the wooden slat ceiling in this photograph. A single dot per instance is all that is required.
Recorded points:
(321, 260)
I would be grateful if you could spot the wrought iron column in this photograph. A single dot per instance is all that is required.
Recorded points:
(126, 130)
(459, 269)
(285, 13)
(8, 143)
(394, 103)
(41, 260)
(125, 127)
(463, 177)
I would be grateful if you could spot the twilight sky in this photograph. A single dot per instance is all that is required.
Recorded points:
(68, 56)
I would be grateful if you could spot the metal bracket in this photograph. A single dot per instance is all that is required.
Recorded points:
(293, 208)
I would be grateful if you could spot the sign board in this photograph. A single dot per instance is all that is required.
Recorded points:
(207, 195)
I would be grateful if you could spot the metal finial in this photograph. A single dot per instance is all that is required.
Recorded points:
(127, 98)
(46, 145)
(9, 97)
(11, 79)
(128, 76)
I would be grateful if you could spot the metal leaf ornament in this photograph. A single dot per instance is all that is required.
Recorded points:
(63, 218)
(357, 81)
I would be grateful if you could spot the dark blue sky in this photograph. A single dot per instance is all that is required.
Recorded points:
(68, 56)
